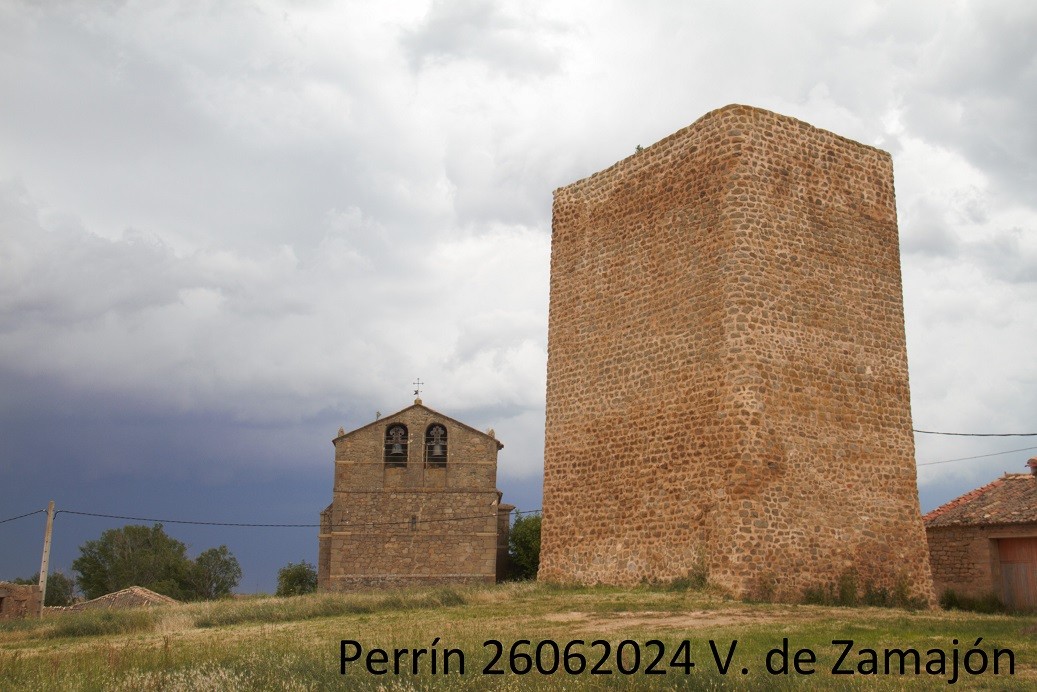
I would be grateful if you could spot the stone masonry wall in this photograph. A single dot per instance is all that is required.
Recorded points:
(727, 374)
(503, 535)
(19, 600)
(412, 525)
(965, 558)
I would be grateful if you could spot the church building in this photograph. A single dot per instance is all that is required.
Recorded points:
(415, 502)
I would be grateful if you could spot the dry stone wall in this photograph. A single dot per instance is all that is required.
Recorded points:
(727, 374)
(416, 523)
(19, 600)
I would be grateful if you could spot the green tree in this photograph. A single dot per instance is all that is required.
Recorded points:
(524, 546)
(216, 571)
(134, 556)
(61, 589)
(146, 556)
(296, 579)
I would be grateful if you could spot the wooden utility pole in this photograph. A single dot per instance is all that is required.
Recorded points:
(46, 555)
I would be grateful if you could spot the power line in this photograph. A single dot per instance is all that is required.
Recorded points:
(959, 434)
(22, 516)
(289, 526)
(979, 456)
(256, 525)
(184, 521)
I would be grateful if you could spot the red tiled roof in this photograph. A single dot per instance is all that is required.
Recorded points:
(1011, 499)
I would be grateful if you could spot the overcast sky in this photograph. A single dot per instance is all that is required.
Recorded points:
(228, 228)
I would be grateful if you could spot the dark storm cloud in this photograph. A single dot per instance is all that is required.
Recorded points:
(228, 228)
(268, 337)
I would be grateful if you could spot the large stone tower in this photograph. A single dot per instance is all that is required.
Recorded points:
(727, 385)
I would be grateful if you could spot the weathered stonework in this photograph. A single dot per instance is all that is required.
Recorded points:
(19, 600)
(966, 559)
(413, 519)
(727, 373)
(984, 543)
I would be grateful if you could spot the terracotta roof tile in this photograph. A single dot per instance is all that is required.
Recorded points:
(1011, 499)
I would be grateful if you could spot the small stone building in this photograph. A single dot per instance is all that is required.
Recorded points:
(985, 542)
(19, 600)
(415, 502)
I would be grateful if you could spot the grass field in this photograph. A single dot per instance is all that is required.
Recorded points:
(295, 644)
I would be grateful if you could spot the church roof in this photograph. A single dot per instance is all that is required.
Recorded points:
(417, 404)
(1011, 499)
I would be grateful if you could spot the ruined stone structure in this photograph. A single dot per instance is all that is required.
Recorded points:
(985, 542)
(727, 389)
(130, 597)
(415, 502)
(19, 600)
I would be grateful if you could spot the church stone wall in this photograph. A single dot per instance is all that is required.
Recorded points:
(503, 537)
(727, 373)
(415, 524)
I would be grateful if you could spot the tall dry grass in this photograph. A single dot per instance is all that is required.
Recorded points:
(267, 643)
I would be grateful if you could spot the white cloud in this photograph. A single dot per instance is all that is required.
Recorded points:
(269, 337)
(512, 37)
(272, 211)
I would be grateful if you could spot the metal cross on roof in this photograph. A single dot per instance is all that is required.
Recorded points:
(417, 387)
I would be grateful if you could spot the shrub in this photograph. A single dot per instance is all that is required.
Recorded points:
(846, 592)
(848, 588)
(215, 572)
(696, 579)
(524, 547)
(763, 588)
(296, 579)
(952, 600)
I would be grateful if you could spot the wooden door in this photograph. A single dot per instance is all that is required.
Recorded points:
(1019, 571)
